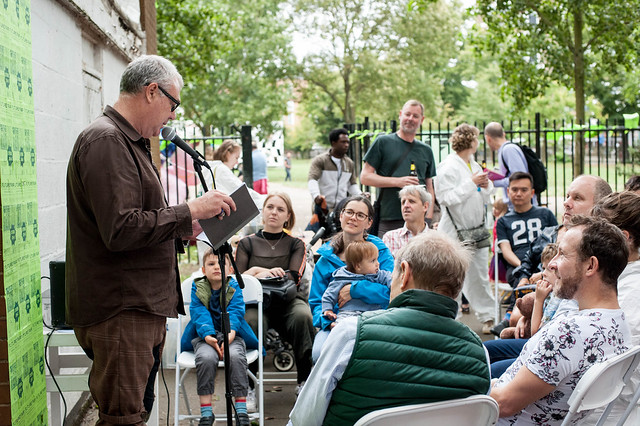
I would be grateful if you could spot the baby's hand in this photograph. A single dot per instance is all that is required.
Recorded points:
(543, 288)
(330, 315)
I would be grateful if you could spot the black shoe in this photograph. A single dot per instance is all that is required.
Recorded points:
(207, 421)
(497, 329)
(243, 420)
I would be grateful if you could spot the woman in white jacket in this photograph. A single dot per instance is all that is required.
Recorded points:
(225, 159)
(463, 190)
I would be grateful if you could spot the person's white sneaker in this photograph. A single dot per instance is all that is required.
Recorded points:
(251, 401)
(299, 387)
(487, 326)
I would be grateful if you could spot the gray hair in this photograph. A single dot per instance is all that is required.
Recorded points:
(148, 69)
(418, 190)
(413, 102)
(438, 263)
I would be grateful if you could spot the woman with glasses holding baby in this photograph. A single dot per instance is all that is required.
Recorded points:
(355, 218)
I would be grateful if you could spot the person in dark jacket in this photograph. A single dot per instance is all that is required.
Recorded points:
(121, 275)
(414, 352)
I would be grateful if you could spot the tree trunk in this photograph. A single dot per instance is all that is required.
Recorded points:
(578, 76)
(349, 116)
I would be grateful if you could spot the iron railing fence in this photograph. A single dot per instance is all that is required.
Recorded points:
(611, 149)
(179, 179)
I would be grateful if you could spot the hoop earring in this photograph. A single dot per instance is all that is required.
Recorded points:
(285, 224)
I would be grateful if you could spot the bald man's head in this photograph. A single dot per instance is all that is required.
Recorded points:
(583, 193)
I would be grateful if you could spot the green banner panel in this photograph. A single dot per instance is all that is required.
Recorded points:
(21, 251)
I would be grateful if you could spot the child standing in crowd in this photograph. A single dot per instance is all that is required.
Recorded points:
(203, 335)
(361, 258)
(500, 208)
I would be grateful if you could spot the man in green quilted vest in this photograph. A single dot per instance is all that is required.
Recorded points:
(413, 352)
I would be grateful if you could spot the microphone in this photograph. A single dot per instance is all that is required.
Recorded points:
(317, 236)
(169, 134)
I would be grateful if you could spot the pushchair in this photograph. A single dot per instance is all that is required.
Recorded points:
(323, 218)
(283, 359)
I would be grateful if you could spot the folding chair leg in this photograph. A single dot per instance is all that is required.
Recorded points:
(631, 406)
(184, 392)
(605, 413)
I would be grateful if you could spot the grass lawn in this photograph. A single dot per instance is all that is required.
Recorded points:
(299, 173)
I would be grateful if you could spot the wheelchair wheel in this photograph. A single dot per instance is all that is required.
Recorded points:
(283, 361)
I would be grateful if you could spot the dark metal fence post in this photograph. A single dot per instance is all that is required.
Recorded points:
(362, 142)
(538, 134)
(247, 162)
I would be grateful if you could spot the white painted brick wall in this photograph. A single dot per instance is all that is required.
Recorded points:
(57, 41)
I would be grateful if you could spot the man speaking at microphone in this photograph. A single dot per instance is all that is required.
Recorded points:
(122, 279)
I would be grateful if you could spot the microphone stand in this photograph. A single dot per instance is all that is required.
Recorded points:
(224, 314)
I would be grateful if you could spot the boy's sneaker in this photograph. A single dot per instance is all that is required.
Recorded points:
(299, 387)
(207, 421)
(243, 420)
(251, 401)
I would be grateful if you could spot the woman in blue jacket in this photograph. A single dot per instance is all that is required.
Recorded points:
(356, 217)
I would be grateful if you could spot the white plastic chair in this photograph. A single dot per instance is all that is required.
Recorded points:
(252, 294)
(477, 410)
(602, 384)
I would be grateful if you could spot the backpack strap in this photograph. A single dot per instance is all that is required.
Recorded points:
(396, 165)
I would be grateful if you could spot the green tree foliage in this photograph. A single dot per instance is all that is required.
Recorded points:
(484, 103)
(301, 137)
(235, 58)
(540, 42)
(377, 54)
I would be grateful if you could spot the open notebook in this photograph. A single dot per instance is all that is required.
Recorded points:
(219, 231)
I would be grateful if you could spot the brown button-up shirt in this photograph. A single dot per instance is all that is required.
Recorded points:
(120, 232)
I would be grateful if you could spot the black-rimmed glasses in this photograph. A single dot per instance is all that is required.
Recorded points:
(350, 213)
(171, 98)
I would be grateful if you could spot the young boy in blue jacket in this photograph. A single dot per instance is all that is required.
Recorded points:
(203, 335)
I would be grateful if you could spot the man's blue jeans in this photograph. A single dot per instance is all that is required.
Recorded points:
(502, 353)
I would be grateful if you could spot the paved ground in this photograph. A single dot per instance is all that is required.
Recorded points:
(279, 396)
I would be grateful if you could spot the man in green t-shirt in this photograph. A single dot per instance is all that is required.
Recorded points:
(401, 149)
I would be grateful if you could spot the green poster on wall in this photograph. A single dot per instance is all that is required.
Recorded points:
(21, 250)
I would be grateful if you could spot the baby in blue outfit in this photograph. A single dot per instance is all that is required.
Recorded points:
(362, 264)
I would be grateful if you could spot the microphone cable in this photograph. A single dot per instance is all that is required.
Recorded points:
(46, 360)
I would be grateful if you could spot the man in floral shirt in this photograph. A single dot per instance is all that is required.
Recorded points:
(537, 386)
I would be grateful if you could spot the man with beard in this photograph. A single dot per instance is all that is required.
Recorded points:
(536, 388)
(397, 160)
